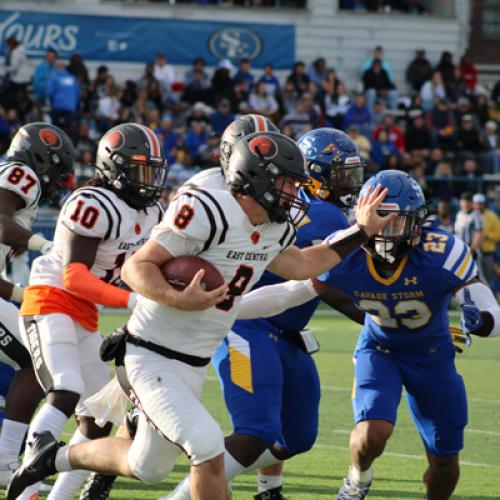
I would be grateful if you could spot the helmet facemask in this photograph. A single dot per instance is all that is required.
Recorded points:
(399, 236)
(140, 181)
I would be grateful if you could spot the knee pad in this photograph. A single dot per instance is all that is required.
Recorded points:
(147, 470)
(205, 445)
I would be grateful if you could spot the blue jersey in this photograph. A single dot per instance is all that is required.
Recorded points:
(411, 307)
(322, 219)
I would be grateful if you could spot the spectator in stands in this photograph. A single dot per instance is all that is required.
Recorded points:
(108, 107)
(84, 167)
(78, 69)
(129, 94)
(99, 84)
(481, 109)
(197, 73)
(336, 105)
(298, 122)
(317, 71)
(382, 150)
(378, 53)
(43, 72)
(299, 78)
(417, 171)
(377, 84)
(156, 98)
(468, 73)
(139, 111)
(378, 113)
(244, 73)
(222, 83)
(199, 112)
(359, 114)
(7, 130)
(491, 235)
(331, 82)
(221, 117)
(472, 171)
(455, 88)
(270, 80)
(435, 158)
(491, 144)
(84, 141)
(311, 108)
(418, 137)
(168, 137)
(443, 219)
(418, 71)
(431, 90)
(197, 88)
(468, 140)
(443, 125)
(495, 93)
(394, 133)
(209, 154)
(163, 71)
(63, 92)
(195, 138)
(446, 67)
(147, 77)
(287, 99)
(17, 73)
(363, 143)
(261, 102)
(238, 96)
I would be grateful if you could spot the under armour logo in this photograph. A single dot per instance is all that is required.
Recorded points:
(411, 281)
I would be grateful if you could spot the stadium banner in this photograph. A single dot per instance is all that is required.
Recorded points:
(137, 39)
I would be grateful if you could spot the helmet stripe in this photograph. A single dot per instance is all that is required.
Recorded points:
(260, 123)
(154, 143)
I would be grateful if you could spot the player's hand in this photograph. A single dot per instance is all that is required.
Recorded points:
(366, 211)
(195, 298)
(460, 339)
(471, 318)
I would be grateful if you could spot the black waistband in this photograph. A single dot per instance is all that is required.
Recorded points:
(166, 352)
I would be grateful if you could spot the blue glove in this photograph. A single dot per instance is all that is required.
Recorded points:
(471, 318)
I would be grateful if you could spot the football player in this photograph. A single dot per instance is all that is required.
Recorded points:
(39, 157)
(268, 377)
(404, 281)
(172, 334)
(99, 226)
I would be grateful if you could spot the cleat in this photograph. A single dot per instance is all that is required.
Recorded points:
(272, 494)
(351, 491)
(41, 465)
(97, 487)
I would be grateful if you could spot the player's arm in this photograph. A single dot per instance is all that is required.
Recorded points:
(480, 310)
(339, 301)
(11, 233)
(295, 264)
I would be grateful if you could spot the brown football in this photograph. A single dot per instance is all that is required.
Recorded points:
(180, 271)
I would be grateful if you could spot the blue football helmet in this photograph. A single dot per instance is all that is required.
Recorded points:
(405, 197)
(335, 166)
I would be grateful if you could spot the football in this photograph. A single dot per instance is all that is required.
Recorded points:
(180, 271)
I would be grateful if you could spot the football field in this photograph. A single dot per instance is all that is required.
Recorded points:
(398, 472)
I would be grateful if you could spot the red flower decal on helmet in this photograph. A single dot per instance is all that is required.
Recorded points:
(115, 139)
(264, 147)
(50, 138)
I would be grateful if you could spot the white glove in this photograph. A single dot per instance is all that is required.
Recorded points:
(39, 244)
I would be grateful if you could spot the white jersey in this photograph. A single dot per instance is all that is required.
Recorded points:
(212, 178)
(97, 212)
(209, 223)
(21, 180)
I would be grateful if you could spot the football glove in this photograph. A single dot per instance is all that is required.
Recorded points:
(471, 318)
(460, 339)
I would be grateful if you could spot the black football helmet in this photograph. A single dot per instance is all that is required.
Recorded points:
(48, 151)
(130, 159)
(256, 163)
(239, 128)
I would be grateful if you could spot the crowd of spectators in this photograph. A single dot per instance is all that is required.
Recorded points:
(444, 126)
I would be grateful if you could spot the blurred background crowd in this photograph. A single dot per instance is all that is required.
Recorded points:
(442, 128)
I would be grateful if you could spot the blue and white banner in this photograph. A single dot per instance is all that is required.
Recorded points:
(135, 39)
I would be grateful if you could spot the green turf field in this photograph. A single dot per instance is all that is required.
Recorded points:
(318, 473)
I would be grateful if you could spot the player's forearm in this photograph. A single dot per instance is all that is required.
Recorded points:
(9, 291)
(146, 279)
(12, 234)
(485, 301)
(274, 299)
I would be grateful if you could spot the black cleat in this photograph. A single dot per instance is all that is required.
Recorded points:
(43, 450)
(272, 494)
(97, 487)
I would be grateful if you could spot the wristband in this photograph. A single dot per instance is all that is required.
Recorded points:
(346, 241)
(37, 243)
(17, 294)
